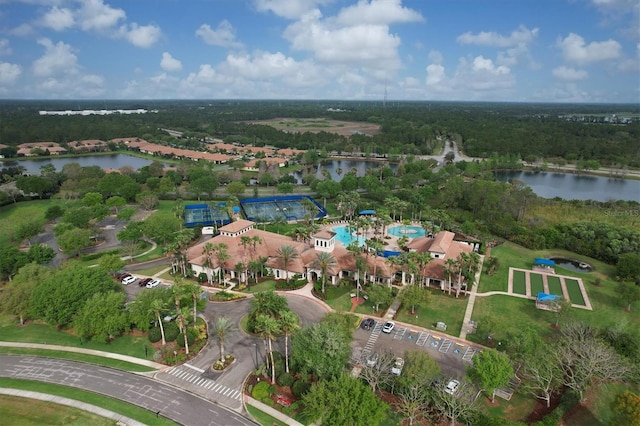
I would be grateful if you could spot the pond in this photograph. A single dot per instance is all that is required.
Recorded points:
(572, 265)
(575, 187)
(337, 169)
(110, 161)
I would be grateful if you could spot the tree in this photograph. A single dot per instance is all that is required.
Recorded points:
(541, 374)
(16, 295)
(221, 328)
(161, 226)
(628, 267)
(413, 295)
(286, 253)
(34, 185)
(236, 188)
(63, 293)
(325, 262)
(268, 327)
(380, 373)
(11, 260)
(491, 369)
(41, 254)
(91, 199)
(158, 306)
(147, 200)
(288, 324)
(102, 317)
(343, 401)
(379, 295)
(131, 234)
(626, 409)
(178, 291)
(456, 405)
(204, 184)
(74, 240)
(420, 369)
(116, 202)
(28, 230)
(285, 188)
(585, 359)
(413, 401)
(321, 349)
(111, 263)
(628, 294)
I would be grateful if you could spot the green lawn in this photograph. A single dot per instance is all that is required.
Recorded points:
(441, 307)
(519, 282)
(25, 412)
(105, 402)
(536, 284)
(151, 271)
(262, 286)
(598, 412)
(263, 418)
(573, 288)
(339, 298)
(554, 285)
(40, 333)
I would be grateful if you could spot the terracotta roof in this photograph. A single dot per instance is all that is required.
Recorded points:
(441, 242)
(324, 234)
(236, 226)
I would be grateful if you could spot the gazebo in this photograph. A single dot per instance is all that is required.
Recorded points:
(545, 265)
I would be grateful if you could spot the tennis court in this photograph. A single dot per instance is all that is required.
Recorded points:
(295, 207)
(205, 215)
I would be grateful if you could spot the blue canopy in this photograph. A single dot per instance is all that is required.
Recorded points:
(545, 262)
(367, 212)
(545, 297)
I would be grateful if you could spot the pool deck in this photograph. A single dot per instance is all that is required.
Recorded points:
(391, 241)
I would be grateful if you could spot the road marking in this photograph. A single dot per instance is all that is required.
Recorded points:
(199, 370)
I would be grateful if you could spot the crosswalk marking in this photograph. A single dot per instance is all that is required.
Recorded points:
(180, 373)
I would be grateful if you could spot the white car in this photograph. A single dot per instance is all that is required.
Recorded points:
(128, 280)
(452, 387)
(388, 326)
(397, 366)
(153, 283)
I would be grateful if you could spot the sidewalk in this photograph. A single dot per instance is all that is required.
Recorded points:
(94, 409)
(271, 411)
(466, 322)
(127, 358)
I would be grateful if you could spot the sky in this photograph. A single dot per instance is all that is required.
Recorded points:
(449, 50)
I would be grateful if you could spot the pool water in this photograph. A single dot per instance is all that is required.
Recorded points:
(410, 231)
(345, 237)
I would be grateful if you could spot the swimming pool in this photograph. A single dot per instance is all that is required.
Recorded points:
(410, 231)
(345, 237)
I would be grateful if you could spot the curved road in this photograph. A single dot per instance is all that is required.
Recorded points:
(170, 402)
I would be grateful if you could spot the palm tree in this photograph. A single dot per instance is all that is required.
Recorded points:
(288, 324)
(377, 246)
(286, 253)
(268, 327)
(324, 261)
(178, 291)
(221, 328)
(221, 254)
(208, 249)
(449, 270)
(193, 290)
(157, 307)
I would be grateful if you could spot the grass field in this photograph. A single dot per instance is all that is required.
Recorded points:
(554, 285)
(441, 307)
(519, 283)
(315, 125)
(573, 288)
(536, 284)
(105, 402)
(263, 418)
(23, 411)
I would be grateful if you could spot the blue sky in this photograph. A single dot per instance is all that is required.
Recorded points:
(467, 50)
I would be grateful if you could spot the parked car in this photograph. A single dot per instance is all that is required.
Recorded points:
(153, 283)
(388, 326)
(397, 366)
(372, 359)
(128, 280)
(122, 275)
(452, 387)
(368, 324)
(143, 282)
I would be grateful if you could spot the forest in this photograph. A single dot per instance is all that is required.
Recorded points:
(567, 132)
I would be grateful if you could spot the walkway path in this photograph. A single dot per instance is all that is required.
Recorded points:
(466, 322)
(94, 409)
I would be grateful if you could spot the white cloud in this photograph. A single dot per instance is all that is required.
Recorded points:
(377, 12)
(484, 38)
(574, 49)
(141, 35)
(58, 59)
(368, 46)
(435, 57)
(290, 9)
(5, 49)
(569, 74)
(95, 15)
(223, 36)
(169, 63)
(435, 74)
(58, 19)
(9, 73)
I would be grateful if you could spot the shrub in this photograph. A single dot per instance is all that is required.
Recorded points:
(171, 331)
(54, 212)
(285, 379)
(155, 334)
(202, 277)
(299, 388)
(191, 337)
(260, 391)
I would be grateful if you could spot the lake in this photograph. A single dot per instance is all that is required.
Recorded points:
(111, 161)
(575, 187)
(345, 166)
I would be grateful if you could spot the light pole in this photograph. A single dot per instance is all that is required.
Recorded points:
(255, 347)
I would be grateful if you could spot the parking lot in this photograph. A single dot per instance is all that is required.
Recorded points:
(453, 355)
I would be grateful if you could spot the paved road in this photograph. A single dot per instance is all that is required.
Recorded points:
(171, 402)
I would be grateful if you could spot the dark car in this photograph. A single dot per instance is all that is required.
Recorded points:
(143, 282)
(368, 324)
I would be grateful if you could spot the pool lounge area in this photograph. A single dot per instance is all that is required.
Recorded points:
(345, 237)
